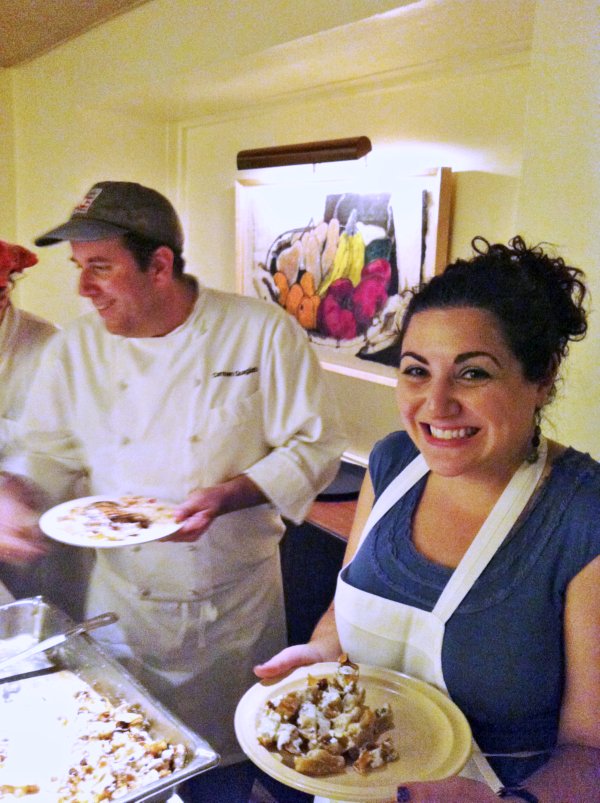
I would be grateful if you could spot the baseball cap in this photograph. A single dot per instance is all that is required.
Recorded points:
(113, 208)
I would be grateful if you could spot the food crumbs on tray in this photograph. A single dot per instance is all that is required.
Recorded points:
(326, 726)
(85, 748)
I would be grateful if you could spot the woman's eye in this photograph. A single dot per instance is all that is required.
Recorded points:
(414, 371)
(474, 373)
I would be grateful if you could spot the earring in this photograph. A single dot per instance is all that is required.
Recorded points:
(533, 455)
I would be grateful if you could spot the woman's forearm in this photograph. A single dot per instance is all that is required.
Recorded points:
(572, 775)
(325, 637)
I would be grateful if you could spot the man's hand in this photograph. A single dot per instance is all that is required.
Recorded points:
(203, 506)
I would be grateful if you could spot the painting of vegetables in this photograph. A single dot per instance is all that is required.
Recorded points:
(345, 265)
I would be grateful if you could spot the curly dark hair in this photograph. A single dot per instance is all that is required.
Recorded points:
(537, 299)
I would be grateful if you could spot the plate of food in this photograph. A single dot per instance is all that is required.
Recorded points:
(351, 732)
(110, 521)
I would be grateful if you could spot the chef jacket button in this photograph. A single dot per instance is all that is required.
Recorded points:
(197, 382)
(123, 385)
(191, 547)
(195, 438)
(137, 548)
(145, 593)
(125, 440)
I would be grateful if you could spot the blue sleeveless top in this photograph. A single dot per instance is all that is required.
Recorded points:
(502, 654)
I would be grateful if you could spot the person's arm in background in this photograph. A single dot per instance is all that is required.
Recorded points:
(21, 541)
(324, 644)
(42, 463)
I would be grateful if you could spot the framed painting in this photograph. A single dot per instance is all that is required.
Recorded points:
(342, 258)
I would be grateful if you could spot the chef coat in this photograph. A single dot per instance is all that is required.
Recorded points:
(235, 389)
(22, 337)
(383, 632)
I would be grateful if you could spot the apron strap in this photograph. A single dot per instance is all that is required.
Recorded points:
(396, 489)
(492, 534)
(494, 530)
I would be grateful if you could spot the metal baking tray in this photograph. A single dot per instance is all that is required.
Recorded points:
(85, 658)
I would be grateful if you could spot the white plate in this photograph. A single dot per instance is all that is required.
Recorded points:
(431, 734)
(62, 523)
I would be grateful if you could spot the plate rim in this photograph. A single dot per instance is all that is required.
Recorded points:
(269, 687)
(51, 514)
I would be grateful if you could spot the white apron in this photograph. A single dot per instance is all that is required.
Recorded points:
(373, 630)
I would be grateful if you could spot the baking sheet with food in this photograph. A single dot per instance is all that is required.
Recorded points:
(430, 734)
(79, 685)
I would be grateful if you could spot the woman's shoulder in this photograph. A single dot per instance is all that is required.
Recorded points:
(572, 502)
(578, 470)
(389, 456)
(580, 474)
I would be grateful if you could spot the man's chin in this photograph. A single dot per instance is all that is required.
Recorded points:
(112, 326)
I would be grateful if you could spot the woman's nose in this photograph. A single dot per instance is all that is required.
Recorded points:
(441, 399)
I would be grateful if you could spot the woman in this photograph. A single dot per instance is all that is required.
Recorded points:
(503, 522)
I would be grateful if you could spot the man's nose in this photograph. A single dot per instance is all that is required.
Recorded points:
(86, 283)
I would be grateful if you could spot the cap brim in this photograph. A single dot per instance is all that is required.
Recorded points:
(83, 230)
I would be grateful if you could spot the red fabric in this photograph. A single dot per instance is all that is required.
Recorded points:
(14, 259)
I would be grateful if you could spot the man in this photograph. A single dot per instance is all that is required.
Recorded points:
(173, 390)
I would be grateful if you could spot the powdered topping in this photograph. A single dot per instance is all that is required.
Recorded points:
(326, 726)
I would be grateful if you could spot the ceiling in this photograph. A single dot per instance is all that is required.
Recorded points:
(29, 28)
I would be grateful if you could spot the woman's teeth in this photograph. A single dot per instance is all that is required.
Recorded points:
(452, 434)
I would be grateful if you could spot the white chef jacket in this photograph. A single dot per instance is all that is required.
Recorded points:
(22, 337)
(236, 388)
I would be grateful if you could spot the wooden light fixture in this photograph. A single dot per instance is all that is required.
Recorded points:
(329, 150)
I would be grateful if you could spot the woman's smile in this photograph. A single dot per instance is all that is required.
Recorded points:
(447, 434)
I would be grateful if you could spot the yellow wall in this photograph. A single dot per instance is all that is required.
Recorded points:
(7, 160)
(436, 82)
(560, 188)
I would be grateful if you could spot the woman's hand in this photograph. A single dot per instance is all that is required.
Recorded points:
(289, 658)
(450, 790)
(324, 645)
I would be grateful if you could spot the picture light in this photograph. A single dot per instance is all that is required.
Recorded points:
(328, 150)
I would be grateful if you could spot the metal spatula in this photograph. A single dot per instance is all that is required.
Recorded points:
(54, 641)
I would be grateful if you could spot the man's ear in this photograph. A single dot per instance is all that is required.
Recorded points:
(161, 265)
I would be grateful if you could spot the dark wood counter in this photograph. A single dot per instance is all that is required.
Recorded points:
(334, 517)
